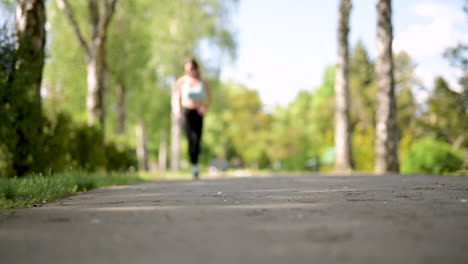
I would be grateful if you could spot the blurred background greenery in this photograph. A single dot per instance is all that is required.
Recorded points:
(144, 52)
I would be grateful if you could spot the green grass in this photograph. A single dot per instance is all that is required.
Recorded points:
(34, 189)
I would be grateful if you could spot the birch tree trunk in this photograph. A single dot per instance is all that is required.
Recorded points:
(386, 145)
(96, 81)
(342, 124)
(30, 42)
(162, 156)
(100, 15)
(175, 131)
(120, 108)
(142, 147)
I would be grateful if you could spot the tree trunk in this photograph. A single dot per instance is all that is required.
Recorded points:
(142, 148)
(96, 80)
(162, 156)
(386, 146)
(95, 50)
(459, 141)
(31, 37)
(175, 132)
(27, 78)
(120, 108)
(342, 124)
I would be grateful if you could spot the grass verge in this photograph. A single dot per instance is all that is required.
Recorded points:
(34, 189)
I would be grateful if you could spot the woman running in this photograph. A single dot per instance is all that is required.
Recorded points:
(194, 97)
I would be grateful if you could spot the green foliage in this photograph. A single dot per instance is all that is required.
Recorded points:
(86, 147)
(145, 52)
(405, 84)
(65, 145)
(56, 134)
(458, 58)
(303, 130)
(20, 111)
(119, 157)
(447, 116)
(363, 92)
(71, 145)
(65, 67)
(237, 126)
(147, 42)
(7, 112)
(32, 189)
(432, 156)
(363, 149)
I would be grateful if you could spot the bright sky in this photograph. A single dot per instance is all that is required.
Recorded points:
(285, 45)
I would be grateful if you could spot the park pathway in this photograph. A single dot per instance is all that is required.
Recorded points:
(271, 220)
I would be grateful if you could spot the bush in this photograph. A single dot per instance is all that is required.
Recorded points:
(431, 156)
(20, 110)
(67, 145)
(86, 148)
(77, 146)
(56, 143)
(120, 157)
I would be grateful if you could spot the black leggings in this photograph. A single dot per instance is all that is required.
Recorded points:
(193, 125)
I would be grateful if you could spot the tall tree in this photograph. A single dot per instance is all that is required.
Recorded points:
(100, 15)
(342, 124)
(405, 84)
(362, 88)
(458, 58)
(31, 37)
(30, 42)
(410, 126)
(447, 116)
(386, 146)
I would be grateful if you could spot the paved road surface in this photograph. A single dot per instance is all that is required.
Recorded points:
(289, 219)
